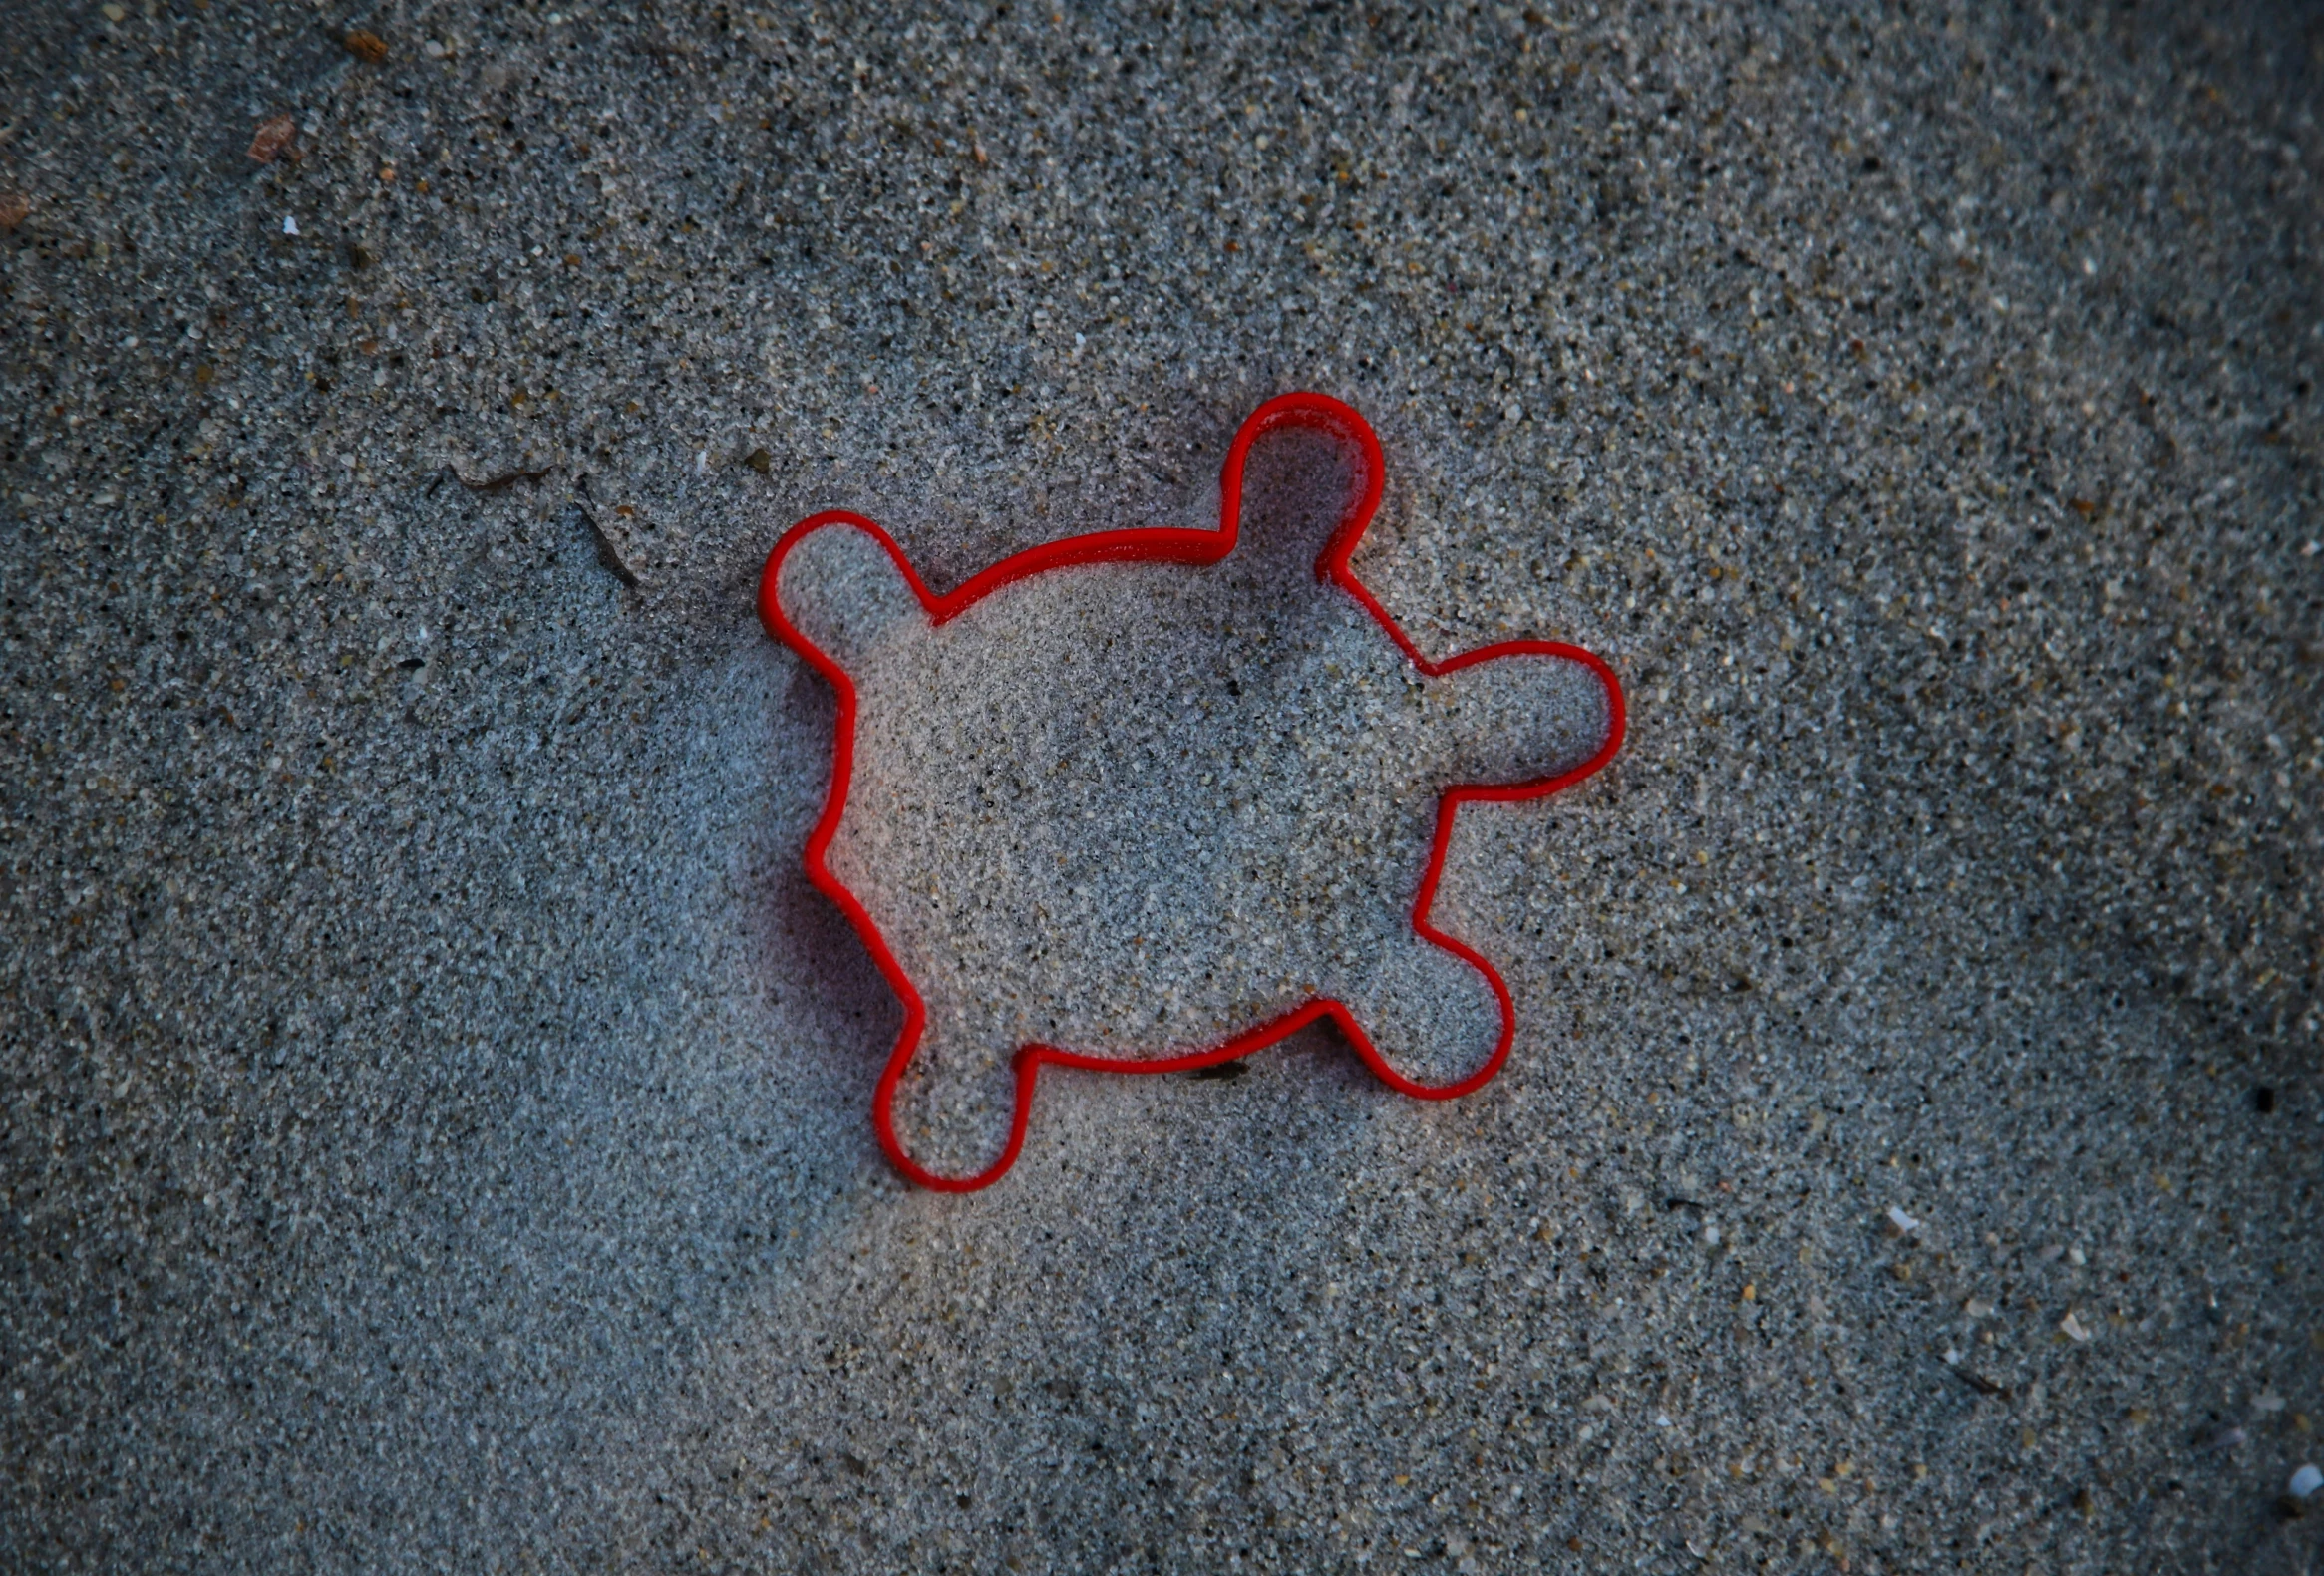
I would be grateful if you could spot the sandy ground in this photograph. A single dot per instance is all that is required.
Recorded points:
(435, 1107)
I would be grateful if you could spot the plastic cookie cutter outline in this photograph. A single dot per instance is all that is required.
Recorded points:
(1194, 548)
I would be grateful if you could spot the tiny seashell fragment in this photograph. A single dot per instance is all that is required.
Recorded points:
(2074, 1327)
(2306, 1481)
(1902, 1221)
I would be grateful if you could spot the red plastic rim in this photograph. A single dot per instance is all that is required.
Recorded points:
(1159, 545)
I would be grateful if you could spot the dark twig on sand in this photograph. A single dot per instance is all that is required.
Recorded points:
(1979, 1382)
(498, 483)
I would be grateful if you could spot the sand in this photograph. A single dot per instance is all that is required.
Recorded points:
(437, 1105)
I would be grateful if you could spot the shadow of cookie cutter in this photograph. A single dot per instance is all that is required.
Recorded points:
(1197, 547)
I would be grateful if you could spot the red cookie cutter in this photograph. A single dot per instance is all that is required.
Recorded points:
(1171, 545)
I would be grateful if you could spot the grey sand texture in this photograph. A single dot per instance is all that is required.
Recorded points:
(434, 1102)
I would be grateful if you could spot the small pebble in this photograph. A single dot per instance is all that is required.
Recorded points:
(2306, 1481)
(1902, 1221)
(271, 139)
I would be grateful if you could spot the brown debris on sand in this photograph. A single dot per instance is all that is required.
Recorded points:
(272, 138)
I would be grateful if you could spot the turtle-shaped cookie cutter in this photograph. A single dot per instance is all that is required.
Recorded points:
(1195, 549)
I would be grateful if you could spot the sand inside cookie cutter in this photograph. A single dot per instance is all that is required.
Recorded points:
(1194, 548)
